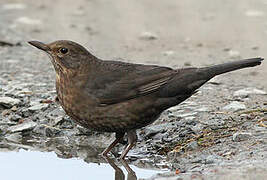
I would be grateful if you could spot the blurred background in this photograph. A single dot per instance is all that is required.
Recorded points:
(169, 33)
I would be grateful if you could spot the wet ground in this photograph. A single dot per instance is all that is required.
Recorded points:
(219, 133)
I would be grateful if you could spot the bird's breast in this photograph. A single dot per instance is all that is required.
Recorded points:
(70, 94)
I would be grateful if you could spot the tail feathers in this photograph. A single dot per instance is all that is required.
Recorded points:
(231, 66)
(188, 80)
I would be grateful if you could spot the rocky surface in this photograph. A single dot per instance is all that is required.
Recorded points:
(220, 132)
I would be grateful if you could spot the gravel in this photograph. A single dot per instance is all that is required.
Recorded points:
(9, 102)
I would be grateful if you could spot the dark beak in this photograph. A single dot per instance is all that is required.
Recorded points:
(40, 45)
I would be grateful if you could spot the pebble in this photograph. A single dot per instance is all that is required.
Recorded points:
(234, 106)
(9, 102)
(27, 125)
(214, 122)
(205, 159)
(15, 117)
(14, 108)
(15, 137)
(211, 159)
(83, 130)
(155, 129)
(248, 91)
(47, 131)
(148, 36)
(189, 103)
(198, 128)
(192, 145)
(58, 120)
(202, 109)
(184, 114)
(241, 136)
(6, 112)
(38, 107)
(190, 118)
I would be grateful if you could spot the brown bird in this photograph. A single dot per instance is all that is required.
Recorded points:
(114, 96)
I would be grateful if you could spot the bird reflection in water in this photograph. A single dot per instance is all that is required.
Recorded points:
(119, 174)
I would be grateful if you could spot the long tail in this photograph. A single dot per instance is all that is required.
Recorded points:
(231, 66)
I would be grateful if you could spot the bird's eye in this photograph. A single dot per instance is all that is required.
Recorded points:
(63, 50)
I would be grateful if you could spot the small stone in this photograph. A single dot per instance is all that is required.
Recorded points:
(189, 103)
(190, 120)
(248, 91)
(228, 153)
(9, 102)
(184, 114)
(58, 120)
(15, 117)
(14, 108)
(154, 129)
(67, 123)
(173, 154)
(38, 107)
(83, 130)
(58, 112)
(202, 109)
(241, 136)
(192, 145)
(15, 137)
(197, 129)
(234, 106)
(25, 112)
(197, 160)
(47, 131)
(210, 159)
(214, 122)
(148, 36)
(25, 126)
(5, 112)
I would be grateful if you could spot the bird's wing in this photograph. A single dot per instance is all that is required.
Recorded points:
(127, 81)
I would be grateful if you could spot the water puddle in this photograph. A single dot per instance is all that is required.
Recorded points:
(47, 165)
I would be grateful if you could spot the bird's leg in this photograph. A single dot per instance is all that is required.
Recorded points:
(131, 142)
(119, 175)
(119, 137)
(131, 173)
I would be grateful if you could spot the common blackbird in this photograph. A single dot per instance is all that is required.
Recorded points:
(120, 97)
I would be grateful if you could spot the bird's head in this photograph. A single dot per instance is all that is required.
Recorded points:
(65, 55)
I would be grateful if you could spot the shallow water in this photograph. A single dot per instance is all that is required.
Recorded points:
(46, 165)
